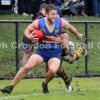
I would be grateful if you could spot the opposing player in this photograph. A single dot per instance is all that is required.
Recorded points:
(52, 55)
(27, 44)
(71, 55)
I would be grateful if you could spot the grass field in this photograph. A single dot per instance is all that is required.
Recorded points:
(30, 89)
(19, 17)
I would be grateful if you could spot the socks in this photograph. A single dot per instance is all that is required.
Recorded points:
(79, 52)
(61, 73)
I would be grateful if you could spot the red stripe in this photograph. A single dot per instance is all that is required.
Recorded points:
(47, 38)
(60, 25)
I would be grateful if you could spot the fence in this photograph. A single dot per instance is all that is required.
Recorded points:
(11, 33)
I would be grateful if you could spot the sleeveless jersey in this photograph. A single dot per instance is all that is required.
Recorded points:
(47, 42)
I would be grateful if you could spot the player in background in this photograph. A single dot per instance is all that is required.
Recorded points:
(71, 55)
(29, 44)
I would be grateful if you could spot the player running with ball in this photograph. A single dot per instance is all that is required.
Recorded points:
(52, 27)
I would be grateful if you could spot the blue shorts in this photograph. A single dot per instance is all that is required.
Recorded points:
(48, 54)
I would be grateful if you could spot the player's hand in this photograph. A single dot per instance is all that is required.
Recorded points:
(80, 36)
(56, 39)
(33, 37)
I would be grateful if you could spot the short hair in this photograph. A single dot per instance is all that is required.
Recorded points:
(44, 5)
(50, 7)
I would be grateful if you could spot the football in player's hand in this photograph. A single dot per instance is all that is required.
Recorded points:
(39, 34)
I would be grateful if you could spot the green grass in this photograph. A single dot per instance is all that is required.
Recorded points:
(30, 89)
(13, 17)
(20, 17)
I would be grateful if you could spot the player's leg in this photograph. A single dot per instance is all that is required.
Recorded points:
(46, 64)
(33, 61)
(66, 78)
(25, 58)
(53, 66)
(61, 72)
(27, 47)
(78, 53)
(70, 56)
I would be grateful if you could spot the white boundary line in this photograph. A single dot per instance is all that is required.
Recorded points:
(8, 97)
(90, 89)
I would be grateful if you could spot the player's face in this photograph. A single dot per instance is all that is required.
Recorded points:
(43, 11)
(52, 15)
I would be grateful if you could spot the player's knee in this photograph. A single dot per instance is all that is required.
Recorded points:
(60, 70)
(27, 68)
(52, 71)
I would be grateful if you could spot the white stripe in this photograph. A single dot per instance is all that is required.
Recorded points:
(90, 89)
(26, 95)
(39, 93)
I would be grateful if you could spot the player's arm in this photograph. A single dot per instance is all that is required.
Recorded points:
(66, 44)
(64, 40)
(28, 31)
(67, 25)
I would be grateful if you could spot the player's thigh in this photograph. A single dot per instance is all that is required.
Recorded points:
(34, 60)
(26, 55)
(54, 64)
(25, 58)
